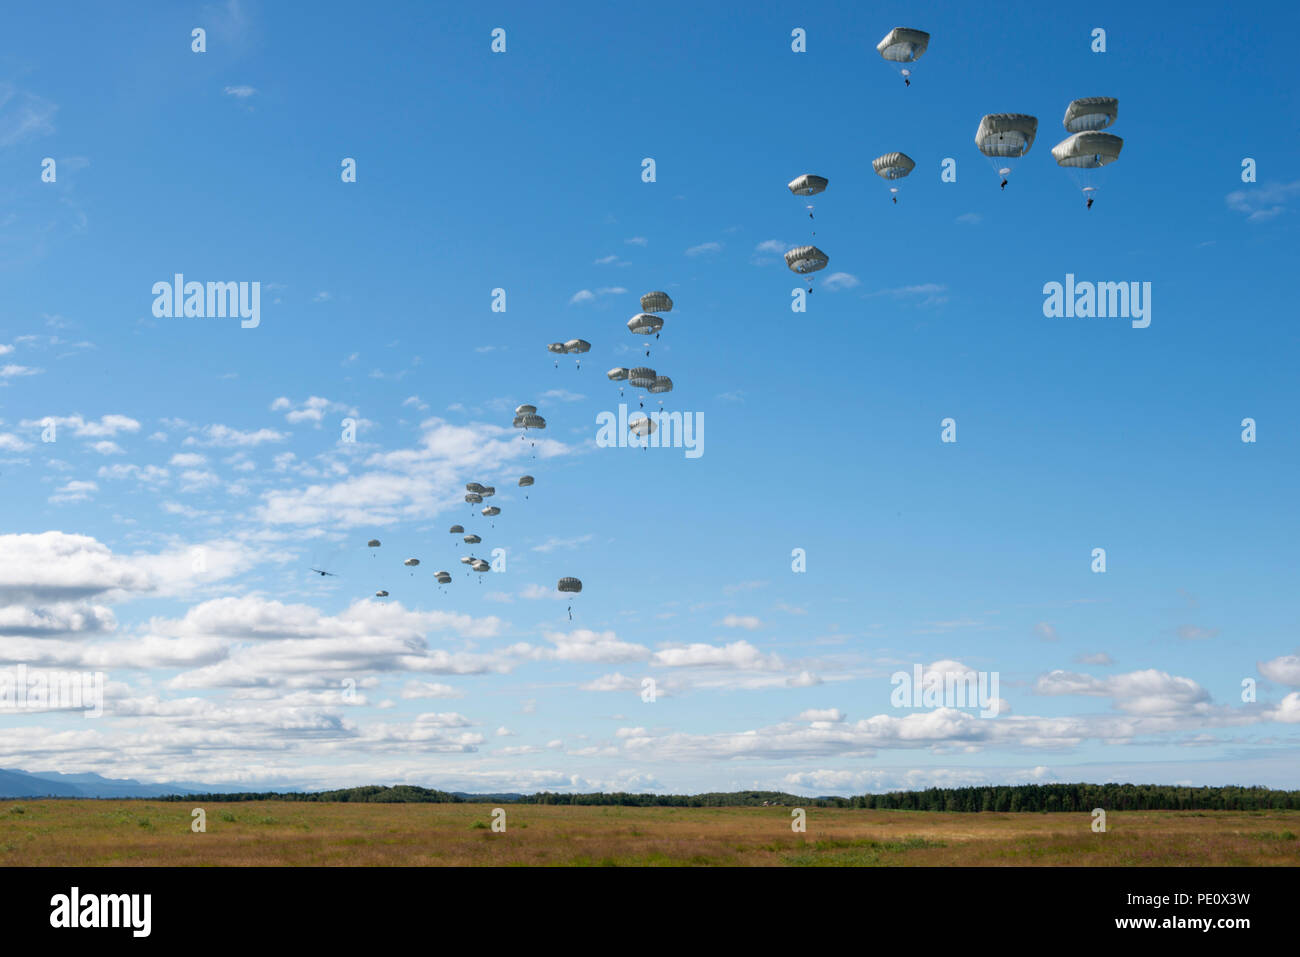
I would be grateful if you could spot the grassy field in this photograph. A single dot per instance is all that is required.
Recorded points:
(126, 833)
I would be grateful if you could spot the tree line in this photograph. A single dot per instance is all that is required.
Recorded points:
(996, 798)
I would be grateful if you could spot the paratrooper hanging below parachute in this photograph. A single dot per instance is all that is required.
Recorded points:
(903, 45)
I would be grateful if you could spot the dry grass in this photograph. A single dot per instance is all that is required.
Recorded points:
(66, 832)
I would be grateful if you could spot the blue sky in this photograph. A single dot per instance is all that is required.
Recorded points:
(522, 171)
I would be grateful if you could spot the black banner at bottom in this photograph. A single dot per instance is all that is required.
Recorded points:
(738, 905)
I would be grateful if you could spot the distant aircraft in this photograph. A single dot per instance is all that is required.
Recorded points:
(319, 572)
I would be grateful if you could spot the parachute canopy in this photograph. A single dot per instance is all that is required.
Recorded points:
(643, 324)
(569, 585)
(473, 498)
(641, 425)
(491, 510)
(1091, 113)
(557, 347)
(457, 529)
(487, 491)
(473, 487)
(577, 345)
(806, 259)
(443, 578)
(807, 184)
(641, 377)
(617, 375)
(1006, 134)
(656, 302)
(381, 594)
(411, 561)
(467, 559)
(472, 539)
(902, 45)
(893, 165)
(479, 565)
(373, 543)
(525, 480)
(525, 409)
(1088, 150)
(662, 384)
(529, 420)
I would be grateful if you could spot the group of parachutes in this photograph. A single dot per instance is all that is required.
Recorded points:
(1002, 137)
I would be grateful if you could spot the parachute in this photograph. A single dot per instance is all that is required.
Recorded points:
(556, 347)
(457, 530)
(443, 578)
(479, 565)
(642, 426)
(1084, 153)
(381, 594)
(526, 418)
(656, 302)
(411, 562)
(472, 540)
(572, 586)
(466, 560)
(902, 45)
(643, 324)
(491, 511)
(808, 185)
(1004, 137)
(661, 384)
(373, 543)
(474, 498)
(1089, 150)
(1091, 113)
(893, 166)
(577, 347)
(618, 374)
(525, 480)
(487, 491)
(473, 487)
(805, 260)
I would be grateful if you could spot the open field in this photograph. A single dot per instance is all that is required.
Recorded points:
(81, 832)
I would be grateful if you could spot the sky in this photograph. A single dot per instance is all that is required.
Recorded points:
(824, 538)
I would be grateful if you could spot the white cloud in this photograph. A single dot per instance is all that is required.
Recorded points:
(840, 280)
(1261, 202)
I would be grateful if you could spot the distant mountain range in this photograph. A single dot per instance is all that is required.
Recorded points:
(25, 784)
